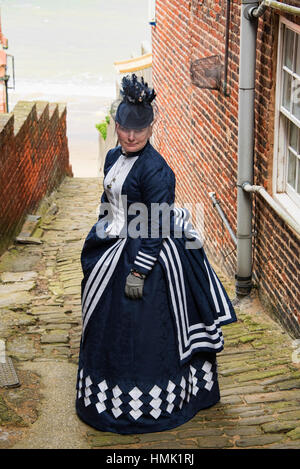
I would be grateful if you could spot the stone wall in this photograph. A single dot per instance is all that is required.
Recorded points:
(34, 159)
(105, 145)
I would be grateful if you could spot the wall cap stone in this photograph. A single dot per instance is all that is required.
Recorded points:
(5, 119)
(32, 110)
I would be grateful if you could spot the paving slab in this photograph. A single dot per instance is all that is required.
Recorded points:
(57, 426)
(40, 316)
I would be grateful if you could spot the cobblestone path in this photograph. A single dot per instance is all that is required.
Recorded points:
(40, 322)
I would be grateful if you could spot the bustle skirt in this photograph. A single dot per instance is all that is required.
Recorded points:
(149, 364)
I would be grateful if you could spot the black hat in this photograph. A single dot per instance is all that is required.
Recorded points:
(135, 110)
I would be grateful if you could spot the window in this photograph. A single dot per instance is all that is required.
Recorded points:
(287, 131)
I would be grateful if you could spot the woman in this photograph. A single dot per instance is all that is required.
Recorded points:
(152, 305)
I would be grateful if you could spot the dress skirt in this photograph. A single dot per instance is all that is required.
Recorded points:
(149, 364)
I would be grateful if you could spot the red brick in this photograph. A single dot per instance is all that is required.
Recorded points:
(29, 168)
(198, 132)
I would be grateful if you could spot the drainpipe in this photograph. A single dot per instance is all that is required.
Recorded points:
(251, 10)
(225, 84)
(245, 147)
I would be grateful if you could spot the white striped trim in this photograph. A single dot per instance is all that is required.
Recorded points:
(95, 271)
(201, 324)
(181, 213)
(225, 304)
(144, 260)
(180, 289)
(97, 275)
(102, 280)
(180, 309)
(97, 280)
(143, 265)
(141, 253)
(173, 302)
(212, 290)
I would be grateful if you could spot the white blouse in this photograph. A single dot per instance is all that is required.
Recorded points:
(116, 177)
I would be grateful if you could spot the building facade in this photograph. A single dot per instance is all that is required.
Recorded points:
(3, 65)
(197, 133)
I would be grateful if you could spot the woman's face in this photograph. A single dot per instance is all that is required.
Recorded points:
(133, 139)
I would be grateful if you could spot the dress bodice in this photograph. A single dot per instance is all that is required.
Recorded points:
(144, 179)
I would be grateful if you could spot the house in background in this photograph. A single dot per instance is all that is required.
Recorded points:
(141, 65)
(200, 133)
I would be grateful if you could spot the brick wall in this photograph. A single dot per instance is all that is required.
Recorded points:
(34, 158)
(197, 133)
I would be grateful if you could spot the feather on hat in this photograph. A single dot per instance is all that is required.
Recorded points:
(135, 111)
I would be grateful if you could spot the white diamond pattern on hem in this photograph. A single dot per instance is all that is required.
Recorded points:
(103, 386)
(101, 396)
(208, 375)
(136, 413)
(135, 404)
(135, 393)
(100, 406)
(116, 391)
(117, 412)
(189, 386)
(155, 391)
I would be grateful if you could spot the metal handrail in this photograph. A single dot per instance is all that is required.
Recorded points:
(216, 204)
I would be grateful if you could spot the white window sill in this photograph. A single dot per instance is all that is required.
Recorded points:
(289, 206)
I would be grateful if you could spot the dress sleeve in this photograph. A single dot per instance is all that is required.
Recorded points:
(157, 186)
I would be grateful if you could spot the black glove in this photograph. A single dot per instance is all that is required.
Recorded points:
(134, 285)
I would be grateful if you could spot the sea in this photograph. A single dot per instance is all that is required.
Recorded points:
(64, 51)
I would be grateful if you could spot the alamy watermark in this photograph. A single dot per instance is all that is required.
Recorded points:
(2, 351)
(296, 352)
(154, 220)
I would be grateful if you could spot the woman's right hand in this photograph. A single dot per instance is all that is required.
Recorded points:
(134, 286)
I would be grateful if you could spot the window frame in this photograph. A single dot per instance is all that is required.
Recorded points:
(288, 198)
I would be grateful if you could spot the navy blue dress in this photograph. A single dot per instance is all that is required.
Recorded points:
(148, 364)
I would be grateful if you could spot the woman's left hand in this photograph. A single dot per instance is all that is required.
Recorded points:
(134, 286)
